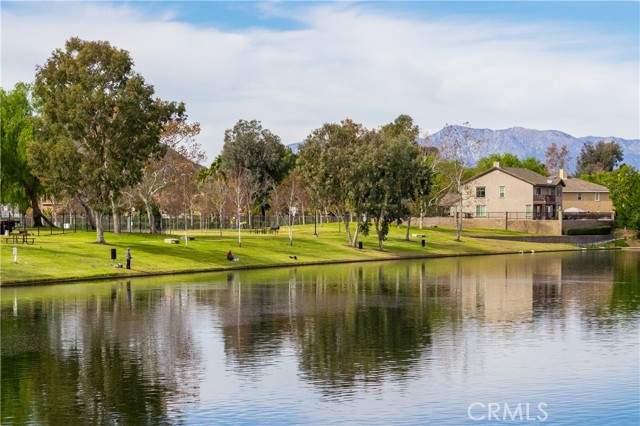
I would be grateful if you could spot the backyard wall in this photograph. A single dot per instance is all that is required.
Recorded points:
(540, 227)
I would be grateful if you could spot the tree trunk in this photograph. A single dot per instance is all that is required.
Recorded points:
(377, 222)
(406, 237)
(37, 213)
(88, 212)
(221, 218)
(357, 231)
(152, 221)
(347, 229)
(116, 216)
(99, 230)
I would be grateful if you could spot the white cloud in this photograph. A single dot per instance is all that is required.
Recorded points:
(349, 61)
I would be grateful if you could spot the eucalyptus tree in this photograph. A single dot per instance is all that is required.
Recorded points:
(390, 163)
(329, 162)
(251, 147)
(98, 116)
(18, 183)
(419, 184)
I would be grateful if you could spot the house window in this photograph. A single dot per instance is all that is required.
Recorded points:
(579, 196)
(597, 196)
(538, 190)
(502, 192)
(481, 191)
(558, 192)
(527, 211)
(481, 211)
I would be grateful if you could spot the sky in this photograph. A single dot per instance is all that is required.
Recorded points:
(295, 65)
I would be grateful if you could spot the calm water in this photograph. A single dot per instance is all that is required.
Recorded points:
(521, 339)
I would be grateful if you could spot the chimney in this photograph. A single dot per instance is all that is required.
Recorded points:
(562, 174)
(496, 164)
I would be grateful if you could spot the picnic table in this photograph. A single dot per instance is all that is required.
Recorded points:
(21, 237)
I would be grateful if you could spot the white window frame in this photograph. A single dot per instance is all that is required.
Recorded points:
(528, 211)
(481, 210)
(484, 190)
(502, 191)
(597, 196)
(579, 196)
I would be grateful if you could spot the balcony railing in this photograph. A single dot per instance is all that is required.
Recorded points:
(546, 199)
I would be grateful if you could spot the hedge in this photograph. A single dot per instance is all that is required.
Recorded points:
(597, 230)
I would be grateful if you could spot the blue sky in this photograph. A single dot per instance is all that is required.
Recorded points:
(570, 66)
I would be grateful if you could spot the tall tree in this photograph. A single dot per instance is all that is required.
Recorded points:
(329, 162)
(556, 159)
(99, 116)
(601, 157)
(18, 183)
(251, 147)
(389, 186)
(402, 133)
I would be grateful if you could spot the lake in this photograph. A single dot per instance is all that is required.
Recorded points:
(544, 338)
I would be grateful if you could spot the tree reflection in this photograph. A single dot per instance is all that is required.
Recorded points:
(94, 360)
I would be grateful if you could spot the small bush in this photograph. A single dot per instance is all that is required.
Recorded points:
(597, 230)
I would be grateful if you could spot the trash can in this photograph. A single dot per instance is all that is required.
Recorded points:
(360, 245)
(113, 254)
(423, 242)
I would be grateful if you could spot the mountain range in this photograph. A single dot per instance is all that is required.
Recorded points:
(533, 143)
(530, 143)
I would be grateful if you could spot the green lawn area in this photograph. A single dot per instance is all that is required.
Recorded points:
(74, 255)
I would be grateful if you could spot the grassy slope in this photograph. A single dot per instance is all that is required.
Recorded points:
(75, 255)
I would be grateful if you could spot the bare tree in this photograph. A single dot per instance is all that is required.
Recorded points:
(183, 164)
(458, 148)
(216, 190)
(556, 159)
(239, 179)
(291, 193)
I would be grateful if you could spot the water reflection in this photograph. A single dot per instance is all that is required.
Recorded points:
(162, 350)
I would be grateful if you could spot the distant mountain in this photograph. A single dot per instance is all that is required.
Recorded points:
(533, 143)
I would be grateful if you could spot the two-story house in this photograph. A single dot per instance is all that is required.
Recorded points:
(520, 192)
(583, 195)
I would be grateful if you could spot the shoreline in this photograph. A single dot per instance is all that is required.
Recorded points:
(28, 283)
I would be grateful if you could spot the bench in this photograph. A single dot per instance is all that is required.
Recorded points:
(22, 237)
(190, 238)
(419, 235)
(274, 229)
(172, 241)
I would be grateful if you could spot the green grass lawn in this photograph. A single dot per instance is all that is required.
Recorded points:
(76, 255)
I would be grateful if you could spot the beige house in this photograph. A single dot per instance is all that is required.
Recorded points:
(583, 195)
(518, 192)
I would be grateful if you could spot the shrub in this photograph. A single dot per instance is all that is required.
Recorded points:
(597, 230)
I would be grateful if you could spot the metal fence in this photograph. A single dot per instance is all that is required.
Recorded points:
(140, 223)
